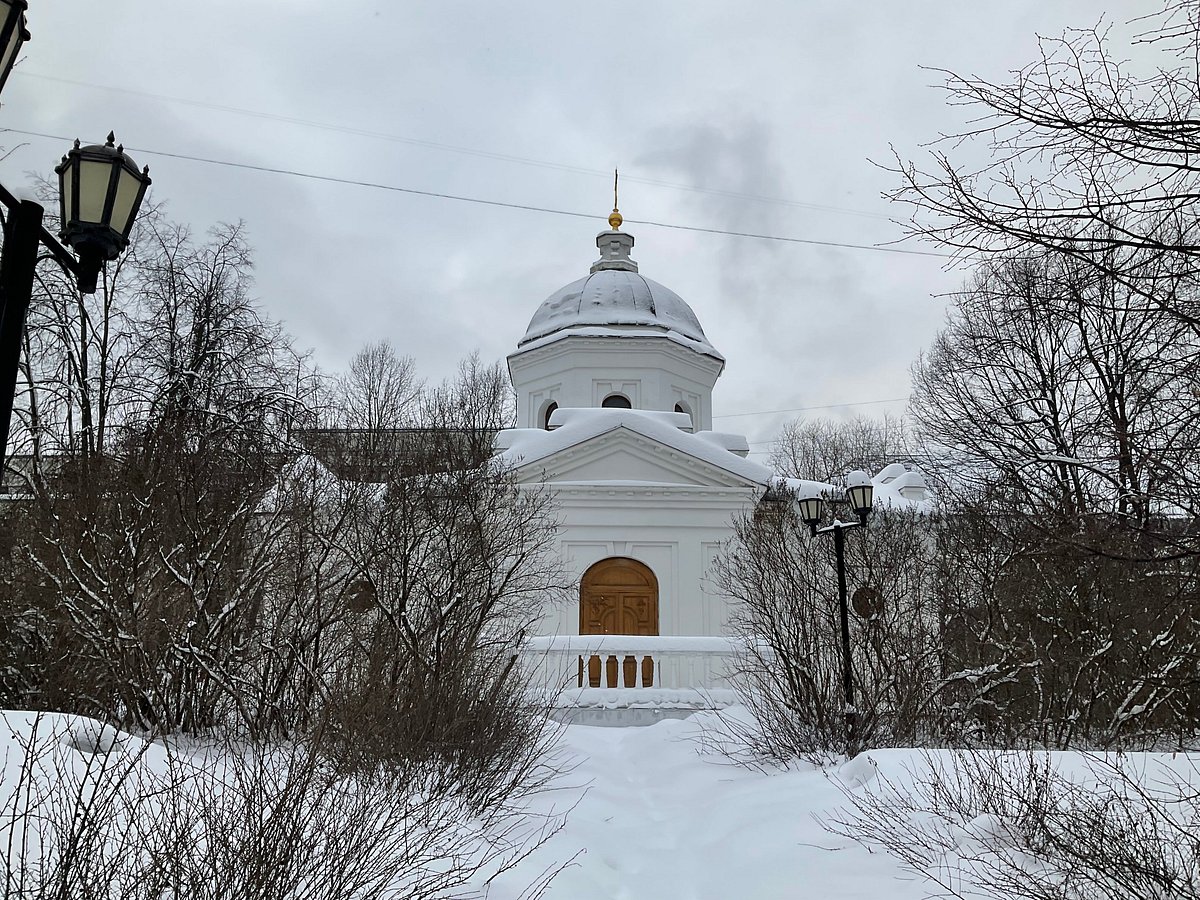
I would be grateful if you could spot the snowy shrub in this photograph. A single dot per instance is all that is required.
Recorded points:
(1046, 643)
(129, 819)
(786, 611)
(997, 825)
(457, 567)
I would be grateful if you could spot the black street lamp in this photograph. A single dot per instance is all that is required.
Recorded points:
(810, 507)
(100, 192)
(13, 35)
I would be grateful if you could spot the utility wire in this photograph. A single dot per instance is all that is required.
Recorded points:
(372, 185)
(450, 148)
(462, 198)
(768, 412)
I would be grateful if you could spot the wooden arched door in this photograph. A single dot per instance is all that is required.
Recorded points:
(618, 596)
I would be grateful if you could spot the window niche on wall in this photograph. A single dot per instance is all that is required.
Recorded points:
(683, 408)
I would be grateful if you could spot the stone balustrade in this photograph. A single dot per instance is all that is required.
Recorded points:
(619, 671)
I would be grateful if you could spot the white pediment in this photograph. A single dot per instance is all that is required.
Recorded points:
(623, 456)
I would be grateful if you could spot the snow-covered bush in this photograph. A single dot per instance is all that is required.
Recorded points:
(453, 569)
(128, 819)
(1064, 647)
(998, 825)
(786, 611)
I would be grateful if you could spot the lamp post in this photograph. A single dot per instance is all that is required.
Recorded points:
(810, 507)
(100, 192)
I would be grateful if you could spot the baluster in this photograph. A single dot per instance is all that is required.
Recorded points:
(610, 666)
(629, 671)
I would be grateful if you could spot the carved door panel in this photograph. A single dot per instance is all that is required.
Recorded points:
(601, 612)
(639, 612)
(617, 611)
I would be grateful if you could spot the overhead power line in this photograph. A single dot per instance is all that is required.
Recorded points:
(449, 148)
(769, 412)
(372, 185)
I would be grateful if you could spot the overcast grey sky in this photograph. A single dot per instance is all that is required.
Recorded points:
(703, 105)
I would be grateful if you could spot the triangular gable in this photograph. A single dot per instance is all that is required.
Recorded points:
(624, 455)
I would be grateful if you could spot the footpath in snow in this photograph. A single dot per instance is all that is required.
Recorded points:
(658, 819)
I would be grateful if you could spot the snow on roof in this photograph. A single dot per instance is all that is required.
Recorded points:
(734, 443)
(522, 446)
(304, 468)
(904, 491)
(895, 485)
(617, 297)
(890, 473)
(622, 331)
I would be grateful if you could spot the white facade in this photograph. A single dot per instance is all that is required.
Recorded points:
(614, 380)
(652, 482)
(635, 484)
(580, 370)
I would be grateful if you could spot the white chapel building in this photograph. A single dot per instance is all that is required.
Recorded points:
(614, 380)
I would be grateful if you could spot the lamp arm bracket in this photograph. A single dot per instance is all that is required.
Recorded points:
(61, 254)
(838, 524)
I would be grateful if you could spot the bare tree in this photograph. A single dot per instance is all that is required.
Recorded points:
(145, 563)
(826, 449)
(380, 391)
(473, 406)
(1088, 159)
(1058, 381)
(77, 368)
(1060, 409)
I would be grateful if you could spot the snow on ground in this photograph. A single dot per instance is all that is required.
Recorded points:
(650, 814)
(660, 819)
(652, 817)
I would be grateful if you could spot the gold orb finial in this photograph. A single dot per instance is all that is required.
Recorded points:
(614, 218)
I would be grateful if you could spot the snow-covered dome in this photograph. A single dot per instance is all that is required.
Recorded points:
(615, 296)
(614, 340)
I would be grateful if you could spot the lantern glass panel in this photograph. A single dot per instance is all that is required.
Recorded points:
(12, 33)
(129, 185)
(66, 185)
(860, 497)
(810, 509)
(10, 50)
(93, 191)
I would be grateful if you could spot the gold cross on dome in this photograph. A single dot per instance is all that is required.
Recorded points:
(614, 218)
